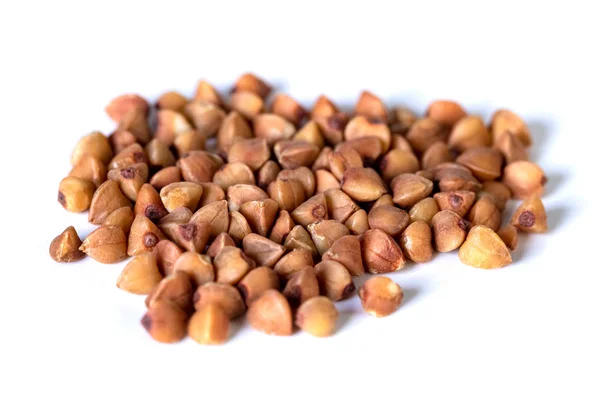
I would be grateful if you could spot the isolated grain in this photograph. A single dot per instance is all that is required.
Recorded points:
(65, 247)
(303, 175)
(380, 296)
(181, 194)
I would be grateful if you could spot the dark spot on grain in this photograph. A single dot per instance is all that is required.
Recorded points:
(147, 322)
(348, 290)
(128, 173)
(61, 199)
(150, 239)
(188, 231)
(527, 219)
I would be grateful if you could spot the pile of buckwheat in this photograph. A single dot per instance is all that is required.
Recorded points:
(262, 205)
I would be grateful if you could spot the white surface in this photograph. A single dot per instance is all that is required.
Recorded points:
(526, 331)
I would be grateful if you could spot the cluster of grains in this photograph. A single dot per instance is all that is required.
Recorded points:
(266, 209)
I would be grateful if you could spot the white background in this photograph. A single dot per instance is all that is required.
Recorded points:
(526, 331)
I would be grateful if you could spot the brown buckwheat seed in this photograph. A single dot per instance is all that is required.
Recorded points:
(380, 296)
